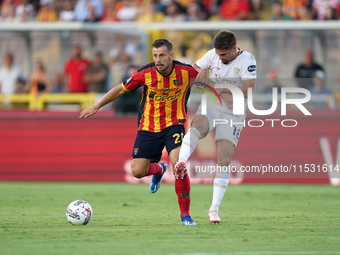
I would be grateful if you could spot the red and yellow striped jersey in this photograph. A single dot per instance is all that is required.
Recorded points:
(164, 96)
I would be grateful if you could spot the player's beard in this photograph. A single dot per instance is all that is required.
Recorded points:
(225, 61)
(162, 68)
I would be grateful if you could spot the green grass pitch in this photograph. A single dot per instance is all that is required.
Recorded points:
(256, 219)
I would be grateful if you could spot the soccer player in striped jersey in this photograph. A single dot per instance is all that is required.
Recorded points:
(166, 88)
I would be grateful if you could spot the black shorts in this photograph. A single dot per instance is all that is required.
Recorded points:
(150, 145)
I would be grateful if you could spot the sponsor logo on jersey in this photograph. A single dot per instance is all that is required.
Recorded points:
(236, 70)
(164, 98)
(166, 90)
(252, 68)
(155, 90)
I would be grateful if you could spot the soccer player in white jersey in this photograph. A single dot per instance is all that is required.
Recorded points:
(227, 64)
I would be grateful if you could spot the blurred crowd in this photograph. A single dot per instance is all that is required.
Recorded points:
(167, 10)
(79, 75)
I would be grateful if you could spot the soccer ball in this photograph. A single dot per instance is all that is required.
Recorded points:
(79, 212)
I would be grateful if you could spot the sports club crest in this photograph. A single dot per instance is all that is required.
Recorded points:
(176, 82)
(236, 70)
(185, 194)
(135, 150)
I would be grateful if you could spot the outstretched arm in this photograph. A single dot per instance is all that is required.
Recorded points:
(110, 96)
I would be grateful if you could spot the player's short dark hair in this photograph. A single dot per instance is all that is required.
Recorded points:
(162, 42)
(225, 40)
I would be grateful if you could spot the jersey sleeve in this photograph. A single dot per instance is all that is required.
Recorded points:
(206, 61)
(192, 72)
(249, 68)
(133, 82)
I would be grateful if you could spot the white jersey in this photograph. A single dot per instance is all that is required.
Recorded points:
(8, 79)
(241, 68)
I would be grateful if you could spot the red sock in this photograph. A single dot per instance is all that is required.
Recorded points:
(182, 188)
(155, 169)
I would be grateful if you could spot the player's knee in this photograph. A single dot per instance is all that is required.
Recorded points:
(225, 161)
(201, 128)
(137, 171)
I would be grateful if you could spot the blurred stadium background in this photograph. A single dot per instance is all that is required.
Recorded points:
(42, 139)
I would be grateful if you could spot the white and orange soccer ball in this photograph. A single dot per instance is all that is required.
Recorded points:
(79, 212)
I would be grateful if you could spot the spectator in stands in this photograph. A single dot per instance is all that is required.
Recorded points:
(129, 102)
(97, 73)
(273, 82)
(9, 75)
(24, 11)
(184, 58)
(7, 10)
(172, 13)
(46, 12)
(319, 84)
(325, 9)
(151, 14)
(235, 10)
(39, 81)
(305, 71)
(164, 3)
(128, 11)
(74, 71)
(120, 61)
(88, 10)
(121, 56)
(111, 7)
(256, 7)
(212, 9)
(277, 12)
(57, 83)
(21, 86)
(304, 13)
(195, 12)
(35, 4)
(291, 7)
(57, 6)
(66, 13)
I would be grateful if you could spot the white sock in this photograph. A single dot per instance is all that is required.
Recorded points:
(189, 144)
(220, 184)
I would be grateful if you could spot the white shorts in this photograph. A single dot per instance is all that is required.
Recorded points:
(228, 126)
